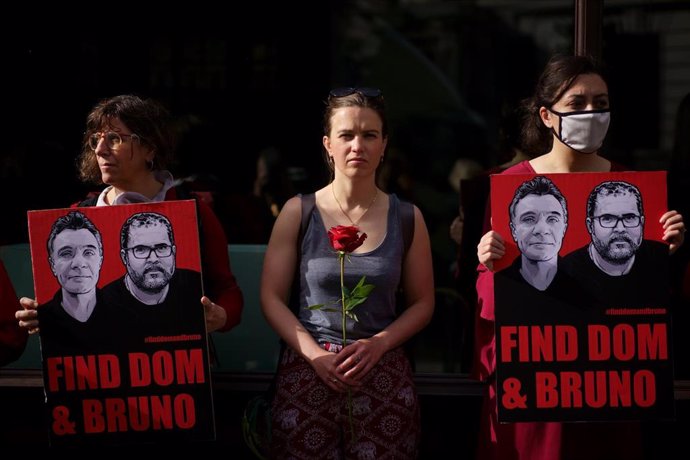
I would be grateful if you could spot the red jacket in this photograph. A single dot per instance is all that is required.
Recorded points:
(12, 337)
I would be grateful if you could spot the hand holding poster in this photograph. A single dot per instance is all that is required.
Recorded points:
(582, 314)
(122, 329)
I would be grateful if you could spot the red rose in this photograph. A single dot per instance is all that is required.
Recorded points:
(345, 239)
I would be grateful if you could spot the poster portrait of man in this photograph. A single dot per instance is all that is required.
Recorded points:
(122, 329)
(581, 298)
(619, 265)
(76, 317)
(153, 291)
(538, 221)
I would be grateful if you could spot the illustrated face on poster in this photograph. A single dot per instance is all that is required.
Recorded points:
(615, 221)
(538, 220)
(75, 254)
(148, 252)
(538, 227)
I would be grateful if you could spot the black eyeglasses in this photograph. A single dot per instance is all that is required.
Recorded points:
(366, 92)
(610, 221)
(144, 252)
(112, 139)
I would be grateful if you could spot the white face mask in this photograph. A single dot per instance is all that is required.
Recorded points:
(583, 131)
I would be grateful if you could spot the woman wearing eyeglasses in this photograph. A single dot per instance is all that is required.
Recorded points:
(354, 400)
(127, 145)
(567, 120)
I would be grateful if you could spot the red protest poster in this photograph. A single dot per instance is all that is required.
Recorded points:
(583, 326)
(122, 330)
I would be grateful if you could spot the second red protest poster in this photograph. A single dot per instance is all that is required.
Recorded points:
(583, 326)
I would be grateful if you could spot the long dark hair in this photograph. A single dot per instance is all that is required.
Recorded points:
(556, 78)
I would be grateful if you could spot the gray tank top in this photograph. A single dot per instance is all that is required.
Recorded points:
(320, 281)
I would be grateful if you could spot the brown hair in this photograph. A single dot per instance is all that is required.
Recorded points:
(145, 117)
(356, 99)
(556, 78)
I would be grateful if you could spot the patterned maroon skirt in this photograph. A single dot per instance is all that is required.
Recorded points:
(310, 420)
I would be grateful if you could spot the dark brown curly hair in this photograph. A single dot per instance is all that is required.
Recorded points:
(145, 117)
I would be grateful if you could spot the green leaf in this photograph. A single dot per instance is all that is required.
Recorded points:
(321, 307)
(365, 289)
(362, 291)
(350, 304)
(358, 295)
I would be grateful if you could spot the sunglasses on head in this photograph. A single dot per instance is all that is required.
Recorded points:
(366, 92)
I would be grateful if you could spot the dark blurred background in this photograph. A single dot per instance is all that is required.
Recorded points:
(256, 78)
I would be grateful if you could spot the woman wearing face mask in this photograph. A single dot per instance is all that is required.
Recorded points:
(565, 125)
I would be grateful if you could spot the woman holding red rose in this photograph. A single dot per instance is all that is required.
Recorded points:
(311, 414)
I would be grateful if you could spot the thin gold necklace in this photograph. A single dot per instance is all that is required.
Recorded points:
(354, 223)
